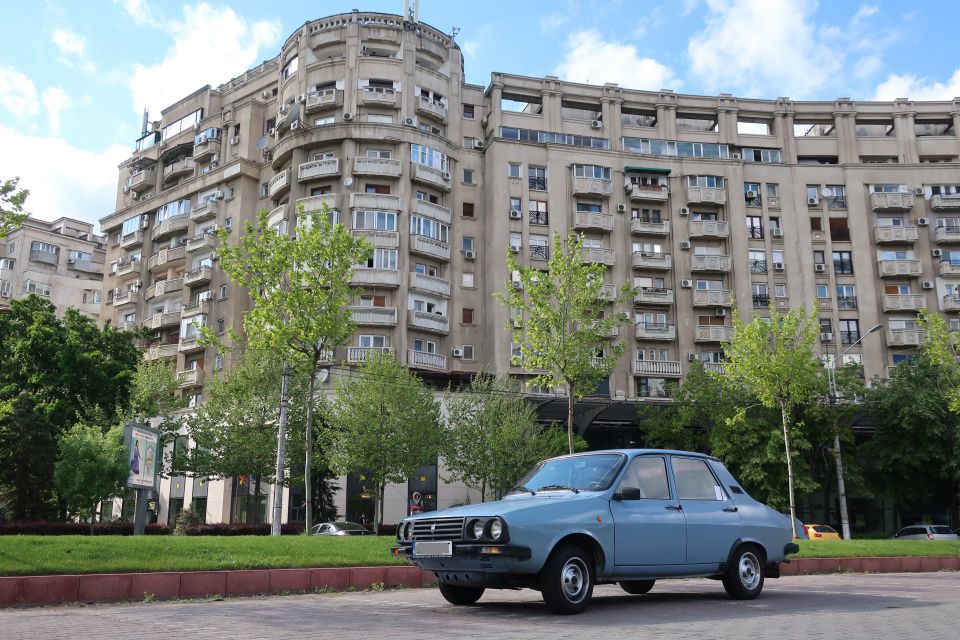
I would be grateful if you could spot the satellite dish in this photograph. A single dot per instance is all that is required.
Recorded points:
(262, 143)
(322, 375)
(293, 115)
(347, 181)
(827, 192)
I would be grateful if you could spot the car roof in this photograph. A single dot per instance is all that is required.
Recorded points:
(636, 452)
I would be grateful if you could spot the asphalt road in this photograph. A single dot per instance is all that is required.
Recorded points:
(847, 606)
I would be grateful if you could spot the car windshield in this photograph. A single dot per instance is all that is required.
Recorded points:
(348, 526)
(821, 528)
(940, 530)
(588, 472)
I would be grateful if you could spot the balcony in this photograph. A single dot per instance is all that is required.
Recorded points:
(364, 277)
(124, 299)
(655, 331)
(706, 195)
(161, 352)
(945, 202)
(132, 240)
(592, 187)
(429, 284)
(430, 209)
(277, 216)
(710, 264)
(430, 247)
(319, 100)
(950, 303)
(177, 169)
(385, 167)
(594, 221)
(709, 229)
(598, 255)
(378, 96)
(191, 344)
(708, 298)
(642, 227)
(170, 226)
(424, 360)
(895, 234)
(374, 316)
(201, 242)
(318, 202)
(426, 321)
(161, 320)
(904, 302)
(713, 333)
(85, 266)
(206, 149)
(142, 181)
(356, 355)
(846, 302)
(375, 201)
(203, 211)
(166, 258)
(905, 337)
(163, 288)
(197, 277)
(891, 202)
(948, 268)
(380, 239)
(946, 235)
(197, 307)
(648, 193)
(127, 267)
(428, 107)
(649, 260)
(279, 184)
(660, 368)
(190, 378)
(653, 295)
(430, 176)
(899, 268)
(317, 169)
(715, 367)
(45, 257)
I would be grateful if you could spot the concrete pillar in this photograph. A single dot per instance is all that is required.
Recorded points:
(495, 116)
(783, 129)
(955, 115)
(551, 96)
(844, 120)
(903, 126)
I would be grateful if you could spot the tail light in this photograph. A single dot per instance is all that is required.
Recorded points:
(929, 536)
(818, 535)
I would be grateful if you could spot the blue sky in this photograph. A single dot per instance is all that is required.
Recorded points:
(75, 76)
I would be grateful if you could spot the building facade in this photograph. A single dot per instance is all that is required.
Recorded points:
(62, 261)
(702, 203)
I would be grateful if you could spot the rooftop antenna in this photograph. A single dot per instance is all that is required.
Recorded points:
(453, 32)
(146, 121)
(411, 11)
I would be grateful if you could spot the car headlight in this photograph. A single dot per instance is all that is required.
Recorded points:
(407, 531)
(476, 529)
(496, 529)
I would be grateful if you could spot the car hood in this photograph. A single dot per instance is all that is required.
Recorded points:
(511, 504)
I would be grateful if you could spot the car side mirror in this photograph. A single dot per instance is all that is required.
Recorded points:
(628, 493)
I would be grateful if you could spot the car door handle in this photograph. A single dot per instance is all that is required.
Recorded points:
(675, 507)
(730, 509)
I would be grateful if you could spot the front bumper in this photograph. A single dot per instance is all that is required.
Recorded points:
(471, 549)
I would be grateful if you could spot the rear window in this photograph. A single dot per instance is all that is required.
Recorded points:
(822, 528)
(940, 530)
(912, 531)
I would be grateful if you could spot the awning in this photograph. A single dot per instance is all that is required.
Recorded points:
(663, 172)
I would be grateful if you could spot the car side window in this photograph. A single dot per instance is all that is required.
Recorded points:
(649, 475)
(694, 480)
(324, 528)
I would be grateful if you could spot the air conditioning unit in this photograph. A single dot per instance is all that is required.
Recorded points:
(926, 284)
(301, 98)
(347, 116)
(126, 189)
(922, 222)
(201, 140)
(264, 94)
(749, 195)
(514, 248)
(776, 233)
(271, 131)
(685, 244)
(820, 268)
(826, 337)
(736, 155)
(515, 215)
(778, 266)
(446, 175)
(457, 352)
(813, 202)
(691, 357)
(71, 261)
(937, 253)
(517, 285)
(235, 140)
(217, 195)
(478, 144)
(410, 121)
(469, 255)
(686, 284)
(196, 126)
(215, 158)
(148, 196)
(684, 211)
(621, 208)
(135, 196)
(720, 312)
(144, 222)
(918, 191)
(205, 296)
(596, 124)
(135, 285)
(294, 126)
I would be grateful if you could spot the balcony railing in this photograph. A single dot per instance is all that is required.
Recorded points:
(203, 211)
(142, 180)
(430, 247)
(197, 307)
(163, 287)
(846, 302)
(597, 255)
(194, 277)
(757, 266)
(710, 263)
(316, 169)
(665, 368)
(891, 201)
(429, 107)
(949, 268)
(949, 234)
(374, 316)
(715, 367)
(170, 226)
(950, 303)
(760, 301)
(945, 202)
(650, 260)
(426, 321)
(843, 267)
(431, 210)
(424, 360)
(429, 284)
(378, 96)
(706, 195)
(894, 268)
(163, 319)
(904, 302)
(648, 193)
(596, 187)
(131, 240)
(318, 100)
(537, 184)
(356, 355)
(709, 229)
(714, 333)
(279, 184)
(905, 337)
(126, 267)
(431, 176)
(190, 378)
(201, 242)
(653, 295)
(381, 239)
(655, 331)
(161, 352)
(362, 276)
(712, 298)
(177, 169)
(907, 233)
(599, 221)
(165, 258)
(317, 203)
(376, 201)
(206, 149)
(387, 167)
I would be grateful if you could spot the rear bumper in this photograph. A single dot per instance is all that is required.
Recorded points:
(791, 547)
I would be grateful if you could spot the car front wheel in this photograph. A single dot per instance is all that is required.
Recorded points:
(566, 581)
(743, 579)
(636, 587)
(459, 595)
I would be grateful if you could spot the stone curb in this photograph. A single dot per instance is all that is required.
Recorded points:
(117, 587)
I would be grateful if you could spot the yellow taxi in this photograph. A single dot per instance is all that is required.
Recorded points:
(821, 532)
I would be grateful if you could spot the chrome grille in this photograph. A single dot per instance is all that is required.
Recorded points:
(438, 529)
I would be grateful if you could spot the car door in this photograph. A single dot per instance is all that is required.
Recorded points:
(713, 523)
(649, 528)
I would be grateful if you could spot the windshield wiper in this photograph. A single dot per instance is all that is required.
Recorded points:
(524, 488)
(550, 487)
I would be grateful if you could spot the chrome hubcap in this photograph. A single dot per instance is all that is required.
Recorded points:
(575, 577)
(749, 571)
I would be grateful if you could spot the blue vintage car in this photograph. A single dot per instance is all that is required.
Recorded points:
(628, 516)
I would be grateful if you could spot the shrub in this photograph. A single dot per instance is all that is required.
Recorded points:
(185, 519)
(40, 528)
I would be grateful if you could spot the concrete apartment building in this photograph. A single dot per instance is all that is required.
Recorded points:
(701, 202)
(62, 261)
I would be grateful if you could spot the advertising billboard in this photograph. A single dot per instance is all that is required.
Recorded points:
(143, 457)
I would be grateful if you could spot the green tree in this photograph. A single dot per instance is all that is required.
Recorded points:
(560, 324)
(775, 360)
(299, 285)
(28, 451)
(11, 206)
(492, 435)
(91, 467)
(385, 425)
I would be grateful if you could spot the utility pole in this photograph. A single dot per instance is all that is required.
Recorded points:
(281, 451)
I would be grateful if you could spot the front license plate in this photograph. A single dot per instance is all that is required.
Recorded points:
(433, 549)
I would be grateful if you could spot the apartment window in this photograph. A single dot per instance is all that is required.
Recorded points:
(757, 261)
(467, 243)
(428, 157)
(467, 351)
(888, 188)
(130, 226)
(537, 178)
(325, 120)
(228, 224)
(290, 68)
(468, 111)
(380, 189)
(591, 171)
(467, 209)
(760, 155)
(466, 316)
(516, 204)
(760, 294)
(379, 118)
(836, 196)
(652, 388)
(372, 341)
(839, 231)
(368, 300)
(708, 182)
(849, 331)
(778, 256)
(819, 257)
(780, 290)
(6, 288)
(843, 263)
(217, 362)
(91, 296)
(383, 259)
(221, 326)
(846, 296)
(514, 170)
(538, 212)
(424, 346)
(773, 190)
(429, 228)
(751, 193)
(466, 280)
(823, 291)
(709, 285)
(378, 220)
(223, 292)
(7, 263)
(43, 247)
(539, 247)
(516, 241)
(426, 270)
(709, 216)
(588, 207)
(754, 227)
(468, 176)
(38, 288)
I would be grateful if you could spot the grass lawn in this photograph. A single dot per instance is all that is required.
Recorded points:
(35, 555)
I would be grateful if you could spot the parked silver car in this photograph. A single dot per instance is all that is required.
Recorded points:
(926, 532)
(629, 517)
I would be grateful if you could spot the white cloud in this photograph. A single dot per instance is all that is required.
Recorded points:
(199, 55)
(18, 93)
(73, 49)
(138, 10)
(63, 180)
(591, 59)
(552, 21)
(55, 99)
(910, 86)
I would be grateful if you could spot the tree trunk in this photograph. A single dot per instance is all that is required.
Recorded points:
(827, 493)
(256, 501)
(93, 517)
(281, 452)
(377, 505)
(483, 491)
(841, 486)
(308, 462)
(570, 388)
(786, 444)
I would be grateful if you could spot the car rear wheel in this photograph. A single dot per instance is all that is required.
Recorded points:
(743, 579)
(460, 595)
(566, 582)
(636, 587)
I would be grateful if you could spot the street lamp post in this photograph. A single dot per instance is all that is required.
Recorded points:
(838, 459)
